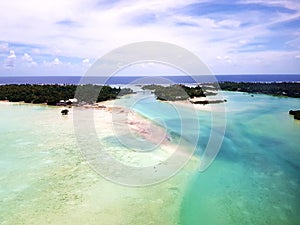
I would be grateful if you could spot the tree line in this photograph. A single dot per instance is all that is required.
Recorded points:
(288, 89)
(176, 92)
(52, 94)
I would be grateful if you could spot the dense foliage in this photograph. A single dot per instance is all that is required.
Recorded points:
(295, 113)
(175, 92)
(288, 89)
(52, 94)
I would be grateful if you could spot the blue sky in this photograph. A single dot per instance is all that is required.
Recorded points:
(63, 37)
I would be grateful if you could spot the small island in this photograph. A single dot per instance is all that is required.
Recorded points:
(179, 92)
(59, 94)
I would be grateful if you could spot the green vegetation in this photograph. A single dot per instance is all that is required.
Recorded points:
(85, 92)
(52, 94)
(64, 112)
(288, 89)
(295, 113)
(176, 92)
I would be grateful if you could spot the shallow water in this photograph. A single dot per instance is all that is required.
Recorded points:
(44, 179)
(254, 179)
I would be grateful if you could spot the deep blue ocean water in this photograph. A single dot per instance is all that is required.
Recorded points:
(132, 79)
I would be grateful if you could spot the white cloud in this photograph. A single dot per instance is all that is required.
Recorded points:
(27, 59)
(96, 27)
(295, 43)
(56, 61)
(10, 60)
(86, 62)
(290, 4)
(225, 59)
(229, 23)
(12, 54)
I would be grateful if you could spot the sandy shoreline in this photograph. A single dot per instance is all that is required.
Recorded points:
(4, 102)
(133, 121)
(137, 133)
(211, 107)
(113, 120)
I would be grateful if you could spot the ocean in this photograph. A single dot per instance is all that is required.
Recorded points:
(253, 180)
(131, 79)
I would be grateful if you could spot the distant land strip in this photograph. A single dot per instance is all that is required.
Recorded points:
(56, 94)
(284, 89)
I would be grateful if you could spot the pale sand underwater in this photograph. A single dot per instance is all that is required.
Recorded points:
(45, 180)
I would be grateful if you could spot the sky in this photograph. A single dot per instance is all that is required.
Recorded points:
(65, 37)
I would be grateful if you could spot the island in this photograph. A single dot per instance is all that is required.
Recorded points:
(284, 89)
(59, 94)
(180, 92)
(183, 93)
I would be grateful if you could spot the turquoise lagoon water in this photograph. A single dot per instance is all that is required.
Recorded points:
(44, 179)
(255, 178)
